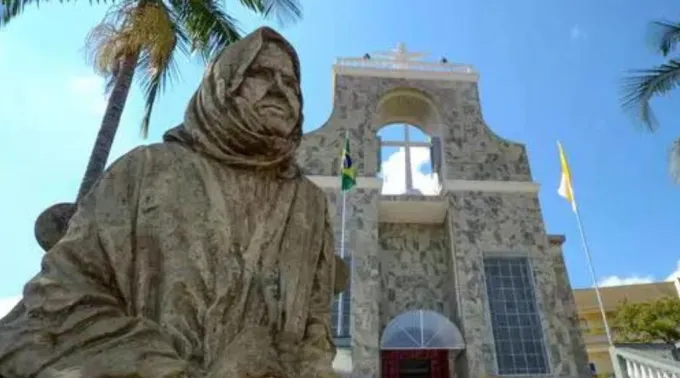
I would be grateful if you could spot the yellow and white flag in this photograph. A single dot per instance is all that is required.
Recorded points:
(566, 190)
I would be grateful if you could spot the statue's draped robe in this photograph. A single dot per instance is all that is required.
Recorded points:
(190, 258)
(161, 272)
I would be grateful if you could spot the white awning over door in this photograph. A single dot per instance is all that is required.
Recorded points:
(421, 329)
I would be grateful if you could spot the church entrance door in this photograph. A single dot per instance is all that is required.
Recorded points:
(417, 344)
(415, 363)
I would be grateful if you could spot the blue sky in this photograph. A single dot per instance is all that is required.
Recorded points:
(549, 70)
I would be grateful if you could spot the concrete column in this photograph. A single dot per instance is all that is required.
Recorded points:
(365, 283)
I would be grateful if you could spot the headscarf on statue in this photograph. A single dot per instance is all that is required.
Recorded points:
(240, 139)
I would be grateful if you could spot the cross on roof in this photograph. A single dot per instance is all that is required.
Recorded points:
(401, 54)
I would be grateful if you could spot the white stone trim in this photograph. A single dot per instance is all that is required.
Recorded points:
(421, 212)
(401, 63)
(491, 186)
(333, 182)
(471, 77)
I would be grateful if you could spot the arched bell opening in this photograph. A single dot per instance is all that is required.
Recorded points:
(419, 344)
(409, 161)
(408, 128)
(407, 105)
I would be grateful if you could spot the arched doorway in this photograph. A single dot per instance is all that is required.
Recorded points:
(416, 344)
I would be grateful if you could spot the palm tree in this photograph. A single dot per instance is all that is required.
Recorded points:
(643, 85)
(144, 34)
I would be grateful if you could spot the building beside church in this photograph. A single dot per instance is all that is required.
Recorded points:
(590, 316)
(452, 273)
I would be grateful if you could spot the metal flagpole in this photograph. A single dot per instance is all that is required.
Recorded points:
(566, 190)
(584, 241)
(342, 256)
(342, 233)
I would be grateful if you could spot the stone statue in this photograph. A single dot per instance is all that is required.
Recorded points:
(207, 255)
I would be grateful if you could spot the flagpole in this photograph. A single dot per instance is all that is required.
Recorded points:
(589, 258)
(342, 238)
(566, 190)
(342, 229)
(342, 256)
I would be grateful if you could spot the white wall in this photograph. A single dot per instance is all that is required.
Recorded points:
(342, 364)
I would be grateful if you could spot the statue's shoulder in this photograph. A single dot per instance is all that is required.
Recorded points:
(153, 160)
(308, 184)
(160, 154)
(154, 151)
(311, 188)
(167, 150)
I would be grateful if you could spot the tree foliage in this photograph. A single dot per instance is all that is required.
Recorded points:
(156, 30)
(652, 321)
(642, 85)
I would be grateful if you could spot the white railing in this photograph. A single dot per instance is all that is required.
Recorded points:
(409, 65)
(632, 365)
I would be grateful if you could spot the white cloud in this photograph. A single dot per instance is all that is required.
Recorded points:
(676, 274)
(85, 84)
(89, 88)
(394, 174)
(635, 279)
(7, 304)
(630, 280)
(576, 33)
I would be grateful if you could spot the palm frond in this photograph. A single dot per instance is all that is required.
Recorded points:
(156, 66)
(674, 161)
(154, 79)
(207, 26)
(103, 49)
(13, 8)
(639, 89)
(148, 31)
(665, 36)
(284, 11)
(110, 79)
(106, 45)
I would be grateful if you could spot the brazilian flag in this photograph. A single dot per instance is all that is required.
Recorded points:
(348, 174)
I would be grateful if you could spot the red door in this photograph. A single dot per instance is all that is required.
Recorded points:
(422, 363)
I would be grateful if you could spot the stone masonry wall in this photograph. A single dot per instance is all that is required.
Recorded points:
(415, 270)
(361, 242)
(471, 150)
(477, 222)
(566, 308)
(506, 223)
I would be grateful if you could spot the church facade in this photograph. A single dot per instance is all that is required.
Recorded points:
(456, 278)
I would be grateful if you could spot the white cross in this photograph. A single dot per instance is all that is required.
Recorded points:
(401, 54)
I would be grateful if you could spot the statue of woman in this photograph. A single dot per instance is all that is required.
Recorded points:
(207, 255)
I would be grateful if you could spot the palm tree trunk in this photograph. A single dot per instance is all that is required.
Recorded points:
(109, 126)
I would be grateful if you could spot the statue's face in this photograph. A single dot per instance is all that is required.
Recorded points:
(271, 87)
